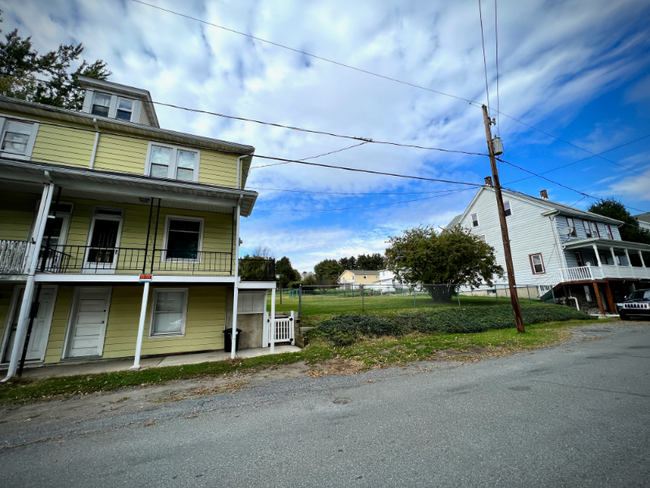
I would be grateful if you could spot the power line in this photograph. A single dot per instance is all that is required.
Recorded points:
(311, 131)
(496, 55)
(591, 157)
(313, 157)
(487, 90)
(471, 102)
(560, 184)
(355, 208)
(353, 193)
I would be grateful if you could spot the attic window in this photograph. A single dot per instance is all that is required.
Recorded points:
(124, 109)
(475, 220)
(506, 208)
(101, 104)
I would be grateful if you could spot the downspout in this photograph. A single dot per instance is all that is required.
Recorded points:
(28, 295)
(240, 169)
(94, 153)
(235, 297)
(576, 300)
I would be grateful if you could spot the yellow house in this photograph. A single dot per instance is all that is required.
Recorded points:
(119, 238)
(358, 277)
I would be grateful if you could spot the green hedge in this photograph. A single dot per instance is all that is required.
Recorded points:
(344, 330)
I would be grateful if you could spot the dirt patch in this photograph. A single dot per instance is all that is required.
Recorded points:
(335, 367)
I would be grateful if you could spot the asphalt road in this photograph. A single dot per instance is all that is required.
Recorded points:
(572, 415)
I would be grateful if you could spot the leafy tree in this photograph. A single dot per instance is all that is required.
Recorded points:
(255, 268)
(286, 272)
(46, 78)
(455, 257)
(370, 262)
(327, 271)
(308, 278)
(614, 209)
(348, 263)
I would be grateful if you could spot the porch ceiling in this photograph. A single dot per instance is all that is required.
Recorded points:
(606, 243)
(122, 188)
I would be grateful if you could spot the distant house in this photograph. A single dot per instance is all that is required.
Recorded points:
(561, 248)
(358, 277)
(644, 220)
(119, 238)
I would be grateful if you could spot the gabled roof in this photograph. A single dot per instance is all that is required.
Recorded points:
(454, 222)
(544, 205)
(645, 217)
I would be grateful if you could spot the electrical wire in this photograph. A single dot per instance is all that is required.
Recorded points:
(591, 157)
(355, 208)
(471, 102)
(496, 56)
(312, 157)
(352, 193)
(487, 90)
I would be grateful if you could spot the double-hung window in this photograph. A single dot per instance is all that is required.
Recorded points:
(475, 220)
(572, 227)
(113, 106)
(506, 209)
(17, 138)
(124, 109)
(588, 230)
(175, 163)
(101, 104)
(537, 263)
(183, 238)
(168, 312)
(610, 234)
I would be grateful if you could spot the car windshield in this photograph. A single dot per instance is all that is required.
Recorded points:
(637, 295)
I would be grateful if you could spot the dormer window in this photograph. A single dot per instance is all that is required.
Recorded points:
(112, 106)
(101, 104)
(124, 109)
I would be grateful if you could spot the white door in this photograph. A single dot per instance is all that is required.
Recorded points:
(40, 328)
(87, 325)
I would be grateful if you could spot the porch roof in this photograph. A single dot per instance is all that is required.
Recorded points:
(123, 188)
(599, 242)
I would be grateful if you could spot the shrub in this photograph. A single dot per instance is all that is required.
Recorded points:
(344, 330)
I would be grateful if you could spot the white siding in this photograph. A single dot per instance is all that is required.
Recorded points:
(530, 233)
(580, 229)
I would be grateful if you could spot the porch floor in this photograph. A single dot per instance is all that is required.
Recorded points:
(37, 372)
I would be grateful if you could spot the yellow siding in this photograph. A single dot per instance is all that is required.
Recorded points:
(60, 145)
(218, 169)
(121, 154)
(59, 324)
(206, 310)
(16, 213)
(6, 291)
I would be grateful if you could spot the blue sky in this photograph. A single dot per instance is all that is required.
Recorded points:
(577, 70)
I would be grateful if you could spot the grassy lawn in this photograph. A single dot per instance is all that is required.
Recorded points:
(368, 353)
(319, 307)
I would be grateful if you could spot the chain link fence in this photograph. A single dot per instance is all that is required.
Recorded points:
(353, 298)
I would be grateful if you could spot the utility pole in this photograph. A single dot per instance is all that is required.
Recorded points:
(516, 308)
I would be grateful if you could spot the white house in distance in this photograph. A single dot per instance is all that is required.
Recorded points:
(644, 220)
(554, 246)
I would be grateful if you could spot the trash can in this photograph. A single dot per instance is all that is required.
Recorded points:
(227, 340)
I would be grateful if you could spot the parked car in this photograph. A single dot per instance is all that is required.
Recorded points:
(637, 303)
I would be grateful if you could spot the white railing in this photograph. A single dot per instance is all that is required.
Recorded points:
(12, 256)
(589, 273)
(284, 330)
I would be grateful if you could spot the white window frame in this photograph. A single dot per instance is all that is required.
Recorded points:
(609, 232)
(163, 255)
(474, 218)
(588, 230)
(481, 238)
(572, 225)
(152, 314)
(173, 166)
(541, 261)
(27, 155)
(507, 208)
(114, 103)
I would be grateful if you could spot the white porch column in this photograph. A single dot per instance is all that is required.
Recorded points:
(597, 255)
(28, 295)
(611, 249)
(143, 314)
(273, 321)
(627, 255)
(235, 298)
(642, 261)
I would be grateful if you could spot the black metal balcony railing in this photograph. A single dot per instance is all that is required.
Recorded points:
(202, 262)
(12, 257)
(91, 259)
